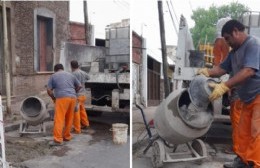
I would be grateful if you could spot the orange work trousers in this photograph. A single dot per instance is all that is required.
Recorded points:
(249, 132)
(235, 111)
(81, 117)
(63, 118)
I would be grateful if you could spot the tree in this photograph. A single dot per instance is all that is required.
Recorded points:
(206, 20)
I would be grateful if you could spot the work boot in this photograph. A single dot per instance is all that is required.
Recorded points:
(237, 163)
(251, 164)
(85, 127)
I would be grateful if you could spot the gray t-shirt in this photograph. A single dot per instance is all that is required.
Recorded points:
(82, 76)
(248, 55)
(64, 84)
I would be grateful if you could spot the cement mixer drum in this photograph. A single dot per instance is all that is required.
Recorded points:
(33, 110)
(177, 120)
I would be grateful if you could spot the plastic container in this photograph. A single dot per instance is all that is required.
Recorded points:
(119, 133)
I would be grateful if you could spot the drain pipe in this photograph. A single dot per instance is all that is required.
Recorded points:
(6, 62)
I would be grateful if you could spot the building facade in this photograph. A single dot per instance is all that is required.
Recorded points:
(36, 30)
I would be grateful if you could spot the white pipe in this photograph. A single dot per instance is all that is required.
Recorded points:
(6, 62)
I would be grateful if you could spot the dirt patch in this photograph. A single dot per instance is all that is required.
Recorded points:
(24, 148)
(30, 146)
(61, 151)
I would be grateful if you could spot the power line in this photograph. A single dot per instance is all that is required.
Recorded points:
(175, 28)
(174, 11)
(120, 4)
(125, 3)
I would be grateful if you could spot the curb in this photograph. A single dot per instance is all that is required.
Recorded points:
(12, 127)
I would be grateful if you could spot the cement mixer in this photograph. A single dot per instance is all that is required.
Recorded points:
(184, 116)
(34, 112)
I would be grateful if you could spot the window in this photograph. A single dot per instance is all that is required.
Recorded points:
(44, 42)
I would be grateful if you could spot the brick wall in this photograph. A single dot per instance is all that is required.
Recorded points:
(23, 23)
(25, 81)
(77, 33)
(137, 48)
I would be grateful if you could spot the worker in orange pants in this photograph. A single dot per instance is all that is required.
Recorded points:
(249, 133)
(244, 63)
(62, 87)
(235, 112)
(221, 47)
(80, 117)
(64, 111)
(220, 50)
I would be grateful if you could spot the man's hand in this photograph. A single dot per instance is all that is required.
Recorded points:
(203, 71)
(219, 90)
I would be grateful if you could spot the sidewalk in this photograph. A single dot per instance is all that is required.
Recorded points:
(217, 142)
(139, 131)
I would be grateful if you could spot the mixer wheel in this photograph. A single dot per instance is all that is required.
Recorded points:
(158, 153)
(199, 146)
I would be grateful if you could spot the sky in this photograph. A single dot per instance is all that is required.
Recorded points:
(101, 13)
(144, 17)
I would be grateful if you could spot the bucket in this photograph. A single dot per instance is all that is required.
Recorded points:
(199, 91)
(196, 58)
(119, 133)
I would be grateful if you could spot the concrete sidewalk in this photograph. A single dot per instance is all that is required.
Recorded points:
(138, 127)
(217, 141)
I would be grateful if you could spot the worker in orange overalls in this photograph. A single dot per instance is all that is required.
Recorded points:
(80, 118)
(243, 61)
(220, 51)
(221, 48)
(62, 87)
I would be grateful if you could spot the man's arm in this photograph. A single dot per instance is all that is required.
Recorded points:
(86, 76)
(216, 71)
(50, 93)
(240, 77)
(223, 87)
(78, 88)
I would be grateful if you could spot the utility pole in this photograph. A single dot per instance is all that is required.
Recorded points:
(6, 62)
(87, 27)
(163, 45)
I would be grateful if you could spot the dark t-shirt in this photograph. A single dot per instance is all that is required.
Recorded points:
(248, 55)
(64, 84)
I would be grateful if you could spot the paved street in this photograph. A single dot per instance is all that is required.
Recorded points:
(217, 141)
(91, 149)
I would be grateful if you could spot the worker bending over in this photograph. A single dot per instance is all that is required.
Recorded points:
(243, 62)
(62, 87)
(80, 117)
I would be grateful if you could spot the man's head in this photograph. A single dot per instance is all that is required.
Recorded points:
(233, 32)
(58, 67)
(74, 64)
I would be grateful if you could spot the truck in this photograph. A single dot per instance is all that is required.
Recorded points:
(108, 89)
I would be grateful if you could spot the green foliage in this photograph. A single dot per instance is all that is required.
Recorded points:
(206, 20)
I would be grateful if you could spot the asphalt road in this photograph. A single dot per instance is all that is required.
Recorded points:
(91, 149)
(218, 145)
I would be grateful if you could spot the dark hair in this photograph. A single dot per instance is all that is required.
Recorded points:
(230, 25)
(74, 64)
(58, 67)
